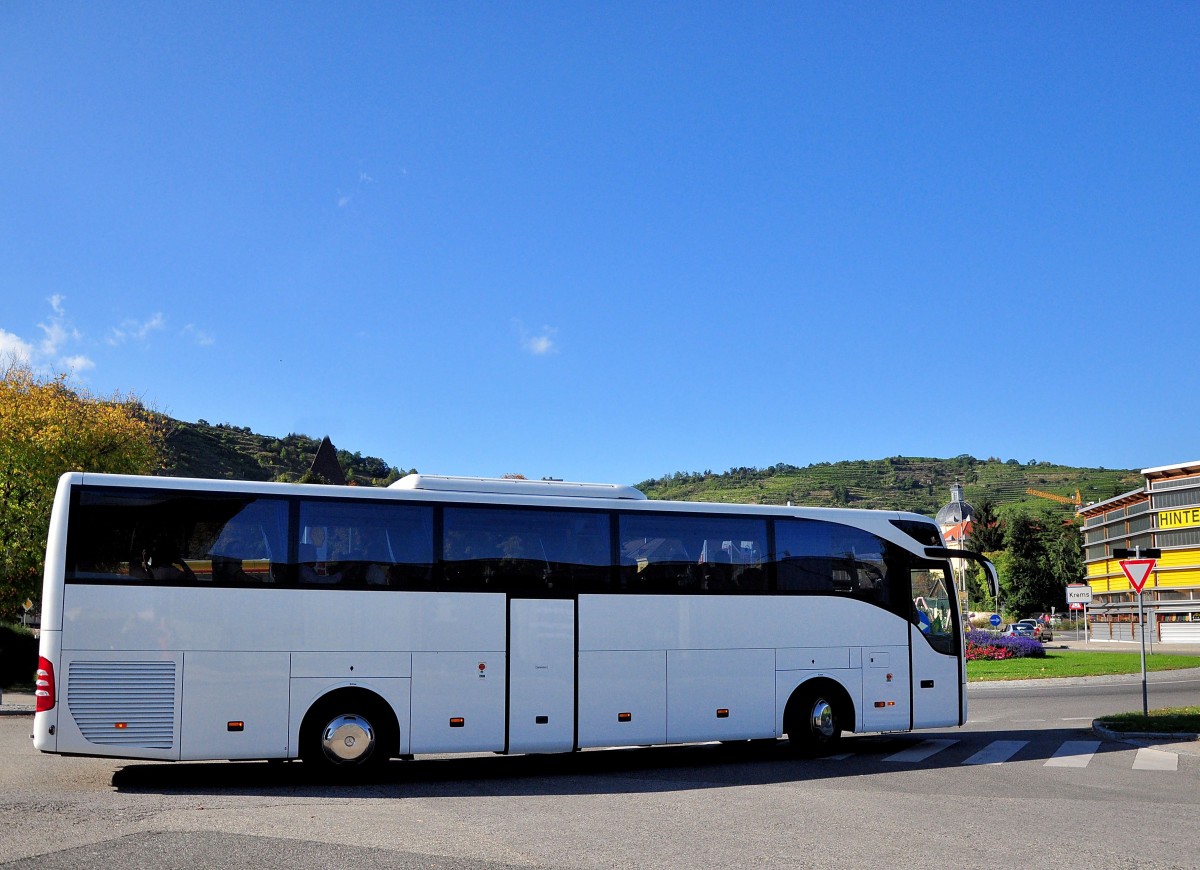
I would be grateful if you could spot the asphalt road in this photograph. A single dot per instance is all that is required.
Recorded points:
(1024, 782)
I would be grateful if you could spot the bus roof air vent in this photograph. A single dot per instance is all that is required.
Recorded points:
(510, 486)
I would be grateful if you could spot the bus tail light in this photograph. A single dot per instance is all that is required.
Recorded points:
(44, 686)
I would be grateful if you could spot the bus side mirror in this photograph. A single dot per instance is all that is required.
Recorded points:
(989, 569)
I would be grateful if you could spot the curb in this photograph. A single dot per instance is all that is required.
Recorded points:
(20, 703)
(1109, 679)
(1101, 730)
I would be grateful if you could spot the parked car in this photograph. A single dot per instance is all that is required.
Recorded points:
(1041, 630)
(1018, 629)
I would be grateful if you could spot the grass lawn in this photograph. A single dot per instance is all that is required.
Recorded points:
(1075, 663)
(1177, 720)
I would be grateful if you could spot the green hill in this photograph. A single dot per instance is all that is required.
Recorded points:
(906, 483)
(899, 483)
(235, 453)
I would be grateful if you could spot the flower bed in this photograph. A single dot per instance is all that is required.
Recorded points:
(984, 646)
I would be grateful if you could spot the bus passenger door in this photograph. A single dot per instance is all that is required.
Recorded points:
(541, 675)
(936, 680)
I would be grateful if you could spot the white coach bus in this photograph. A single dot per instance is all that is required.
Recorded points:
(204, 619)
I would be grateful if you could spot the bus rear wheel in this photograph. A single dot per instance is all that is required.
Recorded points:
(347, 736)
(814, 720)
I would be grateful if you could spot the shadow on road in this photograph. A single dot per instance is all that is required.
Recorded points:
(607, 771)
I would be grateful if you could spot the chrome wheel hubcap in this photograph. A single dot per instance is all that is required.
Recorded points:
(348, 739)
(821, 721)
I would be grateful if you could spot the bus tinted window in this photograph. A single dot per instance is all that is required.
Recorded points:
(365, 544)
(665, 553)
(156, 537)
(530, 552)
(831, 559)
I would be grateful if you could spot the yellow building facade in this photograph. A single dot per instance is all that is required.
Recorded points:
(1163, 514)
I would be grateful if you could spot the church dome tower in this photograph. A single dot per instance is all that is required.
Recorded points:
(956, 517)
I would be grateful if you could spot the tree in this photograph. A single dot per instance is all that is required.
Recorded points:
(48, 427)
(987, 532)
(1032, 586)
(1064, 550)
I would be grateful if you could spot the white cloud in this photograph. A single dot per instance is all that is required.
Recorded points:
(344, 201)
(199, 336)
(14, 349)
(55, 335)
(57, 332)
(155, 322)
(58, 350)
(136, 330)
(76, 364)
(539, 344)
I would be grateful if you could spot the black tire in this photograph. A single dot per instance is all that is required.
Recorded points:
(814, 721)
(348, 736)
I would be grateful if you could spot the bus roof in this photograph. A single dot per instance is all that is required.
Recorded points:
(516, 486)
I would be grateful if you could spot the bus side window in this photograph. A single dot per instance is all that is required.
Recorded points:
(249, 543)
(316, 565)
(819, 557)
(664, 553)
(365, 545)
(160, 561)
(531, 552)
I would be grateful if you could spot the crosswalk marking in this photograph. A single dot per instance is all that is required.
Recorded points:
(1074, 753)
(1155, 759)
(1069, 754)
(921, 751)
(997, 752)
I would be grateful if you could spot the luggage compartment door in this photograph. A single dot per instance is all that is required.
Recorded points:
(541, 675)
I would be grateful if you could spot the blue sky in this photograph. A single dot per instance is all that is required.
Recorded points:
(612, 241)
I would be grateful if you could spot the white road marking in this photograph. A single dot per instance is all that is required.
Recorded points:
(921, 751)
(997, 752)
(1155, 759)
(1074, 753)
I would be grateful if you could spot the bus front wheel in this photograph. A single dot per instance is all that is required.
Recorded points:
(348, 735)
(814, 719)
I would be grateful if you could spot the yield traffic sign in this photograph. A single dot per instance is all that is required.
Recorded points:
(1137, 570)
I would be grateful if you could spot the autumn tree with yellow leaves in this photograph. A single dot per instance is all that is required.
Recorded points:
(47, 427)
